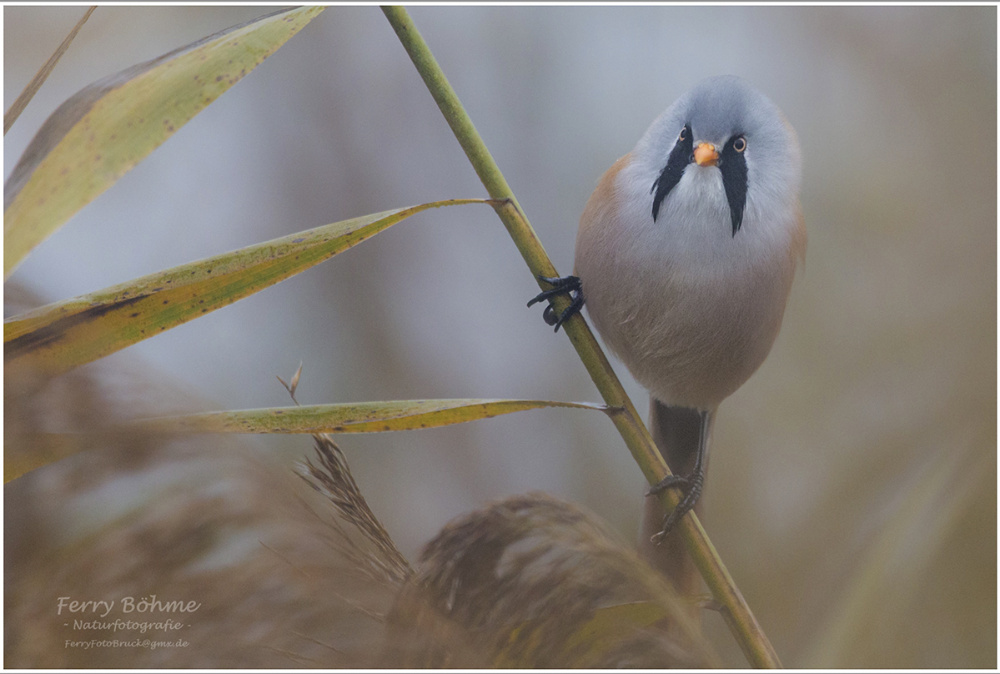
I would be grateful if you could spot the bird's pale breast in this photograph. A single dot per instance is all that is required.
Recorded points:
(692, 319)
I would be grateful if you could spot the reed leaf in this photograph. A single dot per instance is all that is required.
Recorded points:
(66, 334)
(365, 417)
(105, 129)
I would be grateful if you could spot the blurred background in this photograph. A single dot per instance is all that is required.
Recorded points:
(852, 490)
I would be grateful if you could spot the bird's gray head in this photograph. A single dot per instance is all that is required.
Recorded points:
(724, 124)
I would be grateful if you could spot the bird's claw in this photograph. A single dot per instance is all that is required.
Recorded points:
(690, 486)
(561, 285)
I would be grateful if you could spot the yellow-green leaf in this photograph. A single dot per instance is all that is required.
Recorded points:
(63, 335)
(370, 417)
(605, 631)
(108, 127)
(611, 623)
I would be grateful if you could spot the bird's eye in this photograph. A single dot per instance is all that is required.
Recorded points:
(683, 134)
(740, 144)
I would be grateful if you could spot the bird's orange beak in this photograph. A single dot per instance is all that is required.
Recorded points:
(705, 154)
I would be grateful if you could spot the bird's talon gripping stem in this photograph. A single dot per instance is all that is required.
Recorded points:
(561, 285)
(666, 483)
(690, 484)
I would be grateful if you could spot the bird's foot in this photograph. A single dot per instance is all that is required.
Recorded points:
(690, 486)
(561, 285)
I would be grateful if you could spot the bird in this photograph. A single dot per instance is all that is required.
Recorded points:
(685, 256)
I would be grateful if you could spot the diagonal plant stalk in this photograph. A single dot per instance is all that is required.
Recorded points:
(735, 610)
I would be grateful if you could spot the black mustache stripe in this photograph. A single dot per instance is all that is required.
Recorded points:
(734, 180)
(679, 158)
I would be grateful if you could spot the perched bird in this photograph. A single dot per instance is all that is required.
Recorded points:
(684, 257)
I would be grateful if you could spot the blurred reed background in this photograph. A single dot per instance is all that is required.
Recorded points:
(852, 489)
